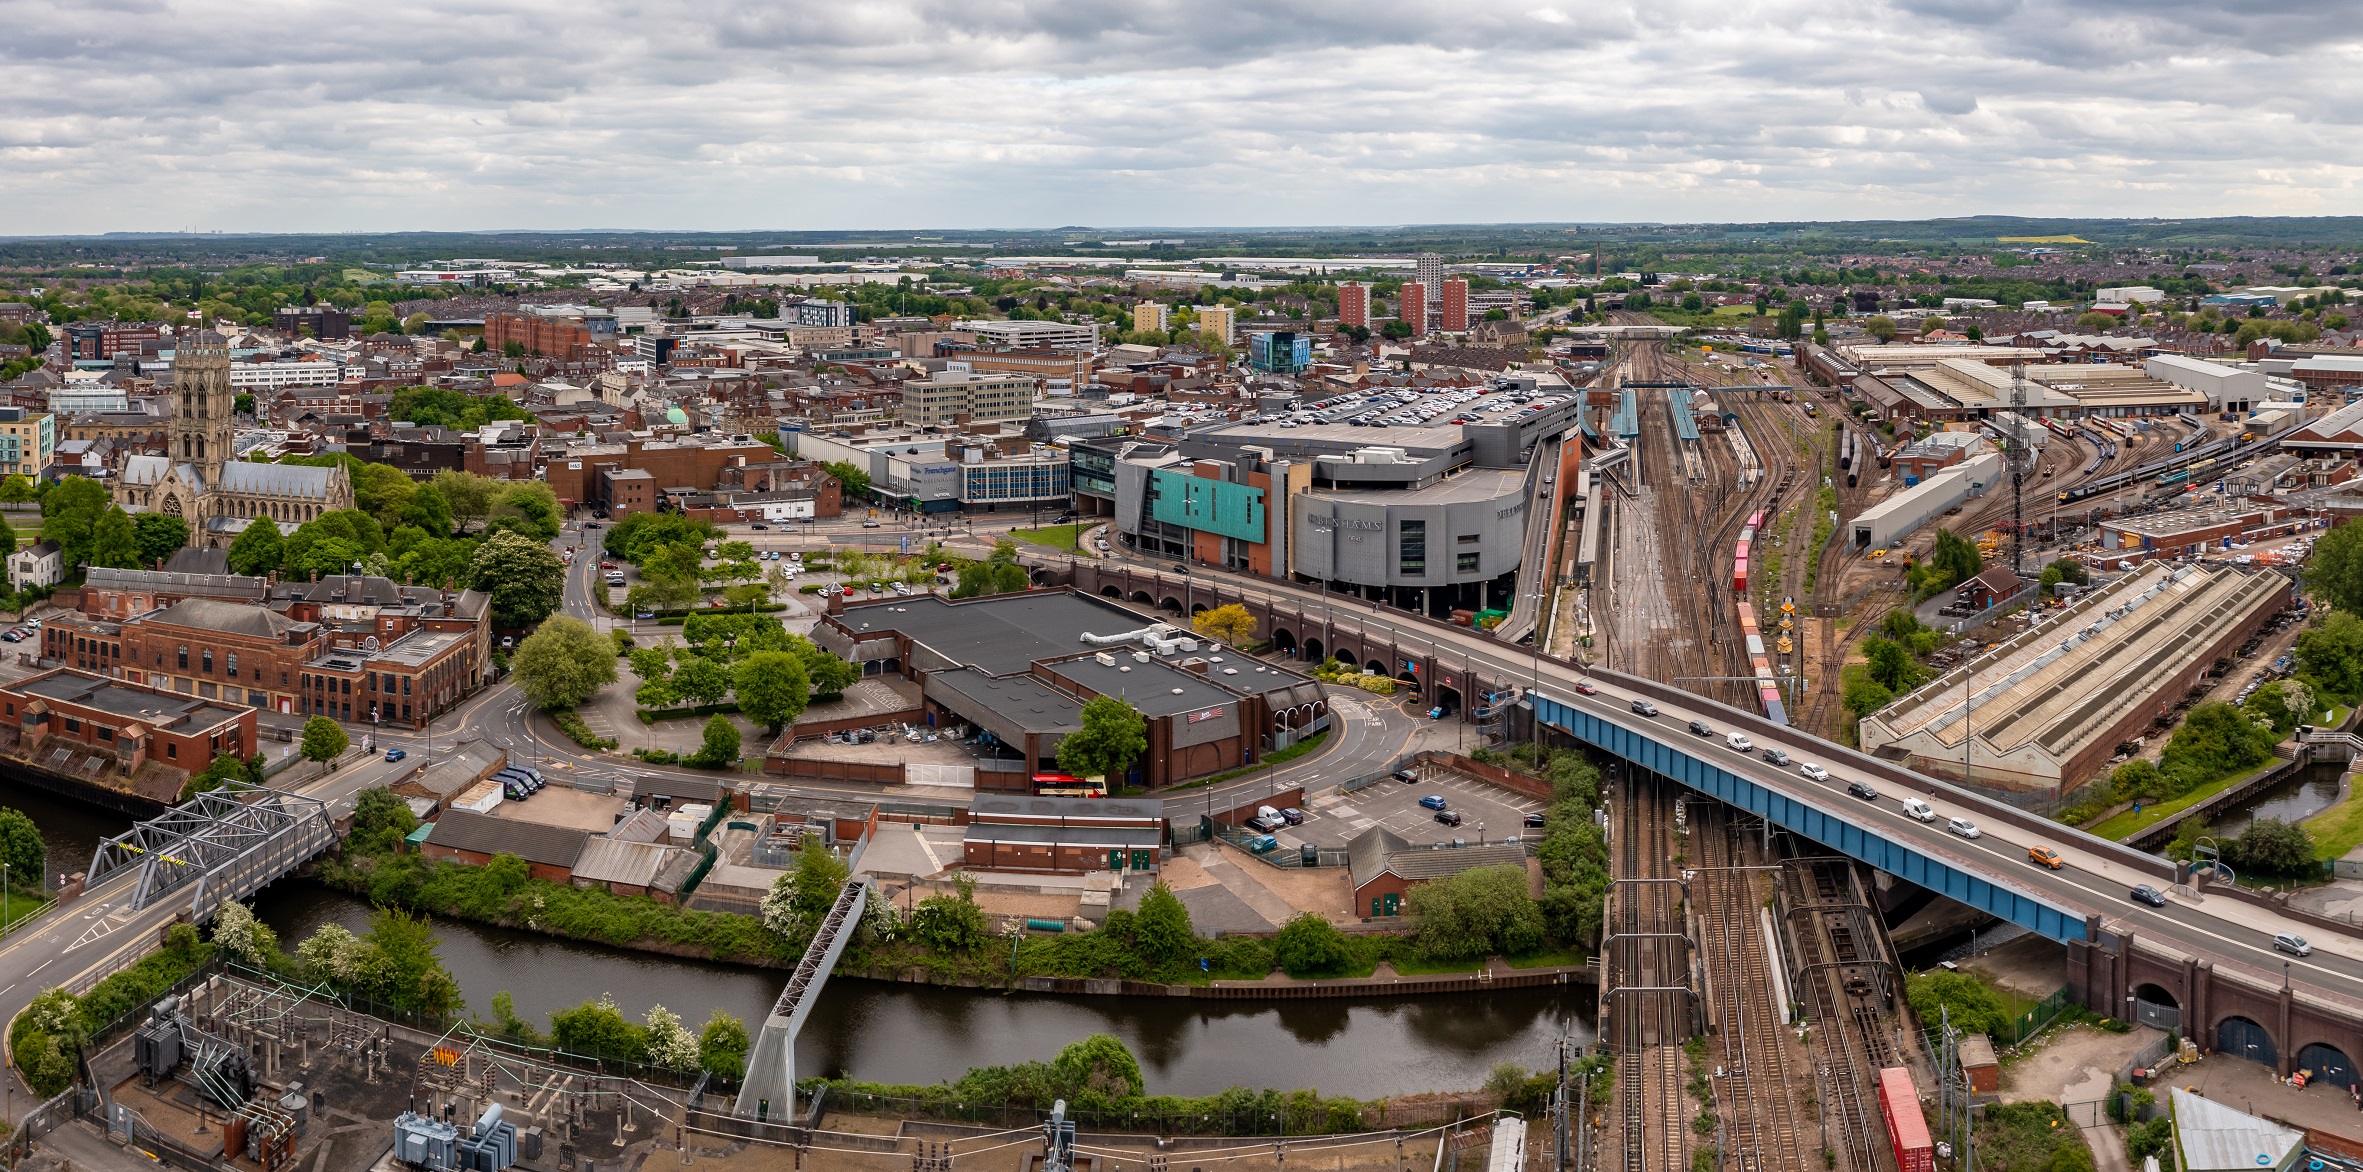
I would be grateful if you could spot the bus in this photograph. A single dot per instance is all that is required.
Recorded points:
(1066, 785)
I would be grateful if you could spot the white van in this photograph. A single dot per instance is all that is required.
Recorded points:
(1918, 810)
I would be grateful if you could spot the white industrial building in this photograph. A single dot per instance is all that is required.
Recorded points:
(1022, 334)
(1890, 521)
(2228, 388)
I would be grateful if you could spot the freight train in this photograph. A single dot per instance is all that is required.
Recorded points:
(1747, 540)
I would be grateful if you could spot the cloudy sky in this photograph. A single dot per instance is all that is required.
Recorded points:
(468, 114)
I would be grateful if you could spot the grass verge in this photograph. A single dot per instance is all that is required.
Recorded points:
(1055, 536)
(2153, 813)
(2338, 829)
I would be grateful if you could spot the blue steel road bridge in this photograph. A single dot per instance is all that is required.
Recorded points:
(2084, 901)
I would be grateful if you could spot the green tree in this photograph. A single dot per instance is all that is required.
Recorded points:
(2330, 653)
(256, 550)
(381, 820)
(1891, 666)
(16, 489)
(2335, 572)
(468, 494)
(1161, 929)
(700, 680)
(951, 923)
(1113, 736)
(159, 536)
(1097, 1067)
(722, 1045)
(772, 687)
(721, 742)
(1476, 912)
(1310, 946)
(429, 510)
(2275, 847)
(563, 664)
(828, 674)
(529, 507)
(853, 483)
(598, 1029)
(1973, 1007)
(323, 739)
(1957, 555)
(22, 848)
(524, 578)
(70, 513)
(383, 491)
(2138, 779)
(115, 541)
(1880, 326)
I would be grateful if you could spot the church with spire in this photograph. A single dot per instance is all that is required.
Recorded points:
(200, 480)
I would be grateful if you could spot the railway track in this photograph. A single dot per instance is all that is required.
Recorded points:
(1648, 1014)
(1842, 989)
(1763, 1128)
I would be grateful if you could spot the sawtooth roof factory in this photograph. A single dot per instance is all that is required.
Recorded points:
(2048, 708)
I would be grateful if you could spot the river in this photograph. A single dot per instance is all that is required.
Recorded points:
(918, 1034)
(897, 1033)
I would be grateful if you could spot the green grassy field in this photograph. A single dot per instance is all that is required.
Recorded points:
(2338, 829)
(1055, 536)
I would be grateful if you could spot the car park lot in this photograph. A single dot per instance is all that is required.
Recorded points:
(1333, 820)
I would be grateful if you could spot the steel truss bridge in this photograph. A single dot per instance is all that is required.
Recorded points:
(223, 845)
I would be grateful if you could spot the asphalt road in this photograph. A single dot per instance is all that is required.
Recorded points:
(2092, 881)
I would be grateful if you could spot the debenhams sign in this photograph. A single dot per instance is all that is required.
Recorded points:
(1324, 521)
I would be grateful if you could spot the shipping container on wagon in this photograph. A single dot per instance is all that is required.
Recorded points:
(1907, 1128)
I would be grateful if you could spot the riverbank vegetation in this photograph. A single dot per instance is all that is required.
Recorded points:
(1101, 1083)
(2215, 742)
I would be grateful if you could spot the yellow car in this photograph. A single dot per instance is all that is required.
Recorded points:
(2044, 856)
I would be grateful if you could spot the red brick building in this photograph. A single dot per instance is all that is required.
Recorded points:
(1383, 867)
(1353, 304)
(465, 836)
(133, 725)
(585, 474)
(1411, 307)
(351, 647)
(1455, 306)
(563, 338)
(1014, 833)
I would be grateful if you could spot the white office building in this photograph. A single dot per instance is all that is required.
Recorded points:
(1053, 334)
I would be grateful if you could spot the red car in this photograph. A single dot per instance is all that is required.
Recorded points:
(606, 565)
(1585, 687)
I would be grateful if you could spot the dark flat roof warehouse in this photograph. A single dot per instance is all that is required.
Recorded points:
(1003, 635)
(128, 702)
(1156, 687)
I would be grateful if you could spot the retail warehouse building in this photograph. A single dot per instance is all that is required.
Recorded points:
(1016, 670)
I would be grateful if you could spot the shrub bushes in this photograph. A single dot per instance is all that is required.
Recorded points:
(572, 725)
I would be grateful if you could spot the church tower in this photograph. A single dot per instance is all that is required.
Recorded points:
(202, 428)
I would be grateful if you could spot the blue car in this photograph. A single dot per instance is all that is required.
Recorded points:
(1263, 844)
(395, 754)
(1433, 802)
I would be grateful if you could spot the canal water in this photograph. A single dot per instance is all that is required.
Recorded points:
(71, 829)
(896, 1033)
(2295, 798)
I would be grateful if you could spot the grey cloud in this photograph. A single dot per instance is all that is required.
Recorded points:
(451, 114)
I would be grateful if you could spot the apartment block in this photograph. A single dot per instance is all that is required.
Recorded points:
(1353, 304)
(950, 396)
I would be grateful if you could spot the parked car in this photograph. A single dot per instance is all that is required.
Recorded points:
(1448, 817)
(1777, 756)
(759, 525)
(2044, 856)
(2144, 893)
(1644, 707)
(1863, 790)
(1263, 825)
(395, 754)
(2293, 944)
(1963, 827)
(1433, 801)
(1293, 816)
(1263, 844)
(869, 524)
(1405, 776)
(1534, 821)
(1814, 772)
(1919, 811)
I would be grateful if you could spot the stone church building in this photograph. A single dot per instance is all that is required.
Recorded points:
(200, 482)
